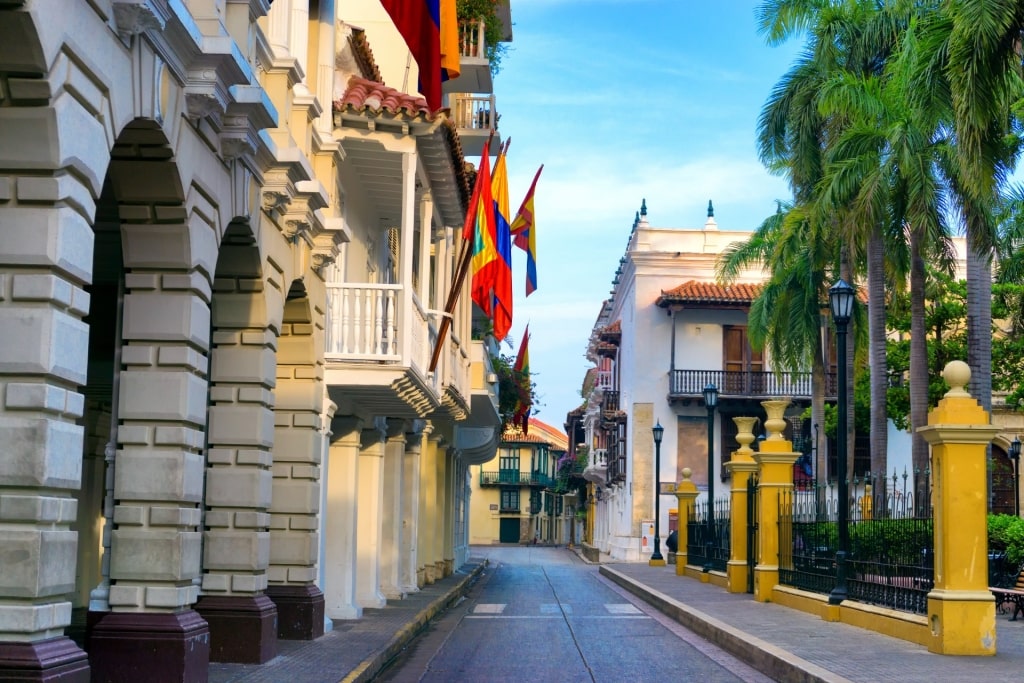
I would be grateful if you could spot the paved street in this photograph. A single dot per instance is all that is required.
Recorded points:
(542, 614)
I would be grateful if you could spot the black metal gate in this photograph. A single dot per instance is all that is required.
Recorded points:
(751, 530)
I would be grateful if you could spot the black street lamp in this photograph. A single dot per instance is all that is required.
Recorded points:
(710, 401)
(841, 300)
(658, 431)
(1015, 457)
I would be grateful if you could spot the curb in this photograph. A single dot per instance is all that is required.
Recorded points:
(770, 660)
(372, 665)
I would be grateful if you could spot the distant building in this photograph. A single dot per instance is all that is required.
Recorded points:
(519, 497)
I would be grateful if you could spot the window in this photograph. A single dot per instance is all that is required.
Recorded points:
(743, 366)
(509, 466)
(509, 500)
(534, 502)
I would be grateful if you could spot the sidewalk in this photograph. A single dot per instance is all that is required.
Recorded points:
(789, 645)
(357, 650)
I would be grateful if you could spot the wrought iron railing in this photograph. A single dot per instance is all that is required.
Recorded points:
(709, 546)
(690, 383)
(891, 553)
(504, 478)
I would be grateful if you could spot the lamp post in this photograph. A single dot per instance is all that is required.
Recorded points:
(841, 301)
(656, 559)
(1015, 457)
(710, 401)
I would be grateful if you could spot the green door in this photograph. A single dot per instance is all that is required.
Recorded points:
(508, 532)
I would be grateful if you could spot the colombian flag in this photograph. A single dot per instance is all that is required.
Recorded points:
(525, 233)
(419, 22)
(450, 64)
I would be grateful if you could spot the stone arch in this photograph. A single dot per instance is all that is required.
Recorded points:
(298, 446)
(161, 299)
(236, 549)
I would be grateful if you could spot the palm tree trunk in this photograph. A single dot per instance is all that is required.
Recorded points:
(879, 366)
(979, 329)
(918, 354)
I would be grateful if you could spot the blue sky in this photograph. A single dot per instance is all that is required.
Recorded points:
(623, 100)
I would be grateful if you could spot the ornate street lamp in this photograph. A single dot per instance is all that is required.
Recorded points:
(841, 300)
(656, 559)
(710, 401)
(1015, 457)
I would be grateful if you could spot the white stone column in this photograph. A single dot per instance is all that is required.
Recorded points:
(410, 497)
(391, 522)
(341, 516)
(369, 534)
(428, 507)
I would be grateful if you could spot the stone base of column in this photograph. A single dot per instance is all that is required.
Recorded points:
(243, 628)
(55, 659)
(300, 611)
(421, 577)
(134, 646)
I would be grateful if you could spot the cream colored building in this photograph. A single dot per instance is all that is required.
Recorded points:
(225, 250)
(518, 496)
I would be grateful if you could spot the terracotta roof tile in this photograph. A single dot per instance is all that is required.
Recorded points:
(363, 95)
(697, 292)
(364, 55)
(540, 433)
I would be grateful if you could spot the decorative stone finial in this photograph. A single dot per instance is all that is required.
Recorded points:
(957, 375)
(711, 209)
(636, 220)
(745, 433)
(643, 207)
(775, 422)
(686, 473)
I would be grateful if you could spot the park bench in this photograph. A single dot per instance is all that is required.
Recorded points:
(1011, 595)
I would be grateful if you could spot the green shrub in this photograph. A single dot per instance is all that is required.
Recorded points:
(1006, 534)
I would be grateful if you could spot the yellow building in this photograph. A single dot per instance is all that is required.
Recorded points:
(518, 496)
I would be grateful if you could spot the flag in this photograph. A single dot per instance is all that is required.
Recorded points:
(525, 234)
(449, 41)
(521, 372)
(419, 22)
(502, 280)
(479, 231)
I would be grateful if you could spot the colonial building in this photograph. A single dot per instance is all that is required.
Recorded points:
(669, 329)
(227, 248)
(518, 496)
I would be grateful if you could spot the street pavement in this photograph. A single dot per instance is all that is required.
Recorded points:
(783, 643)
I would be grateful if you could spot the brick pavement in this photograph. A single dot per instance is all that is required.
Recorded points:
(355, 650)
(789, 645)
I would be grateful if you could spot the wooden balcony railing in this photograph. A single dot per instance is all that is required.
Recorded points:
(690, 383)
(472, 43)
(610, 401)
(515, 478)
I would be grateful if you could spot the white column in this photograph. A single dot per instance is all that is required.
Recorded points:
(405, 249)
(392, 505)
(369, 530)
(410, 495)
(341, 516)
(298, 43)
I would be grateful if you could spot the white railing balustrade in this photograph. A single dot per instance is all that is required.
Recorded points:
(471, 39)
(473, 111)
(604, 379)
(362, 321)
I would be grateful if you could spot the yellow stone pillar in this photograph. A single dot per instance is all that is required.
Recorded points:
(961, 611)
(775, 460)
(741, 465)
(686, 494)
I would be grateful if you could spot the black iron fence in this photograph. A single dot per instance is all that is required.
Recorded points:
(891, 554)
(707, 545)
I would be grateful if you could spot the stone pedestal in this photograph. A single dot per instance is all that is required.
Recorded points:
(686, 495)
(741, 466)
(56, 660)
(300, 611)
(243, 628)
(148, 646)
(775, 460)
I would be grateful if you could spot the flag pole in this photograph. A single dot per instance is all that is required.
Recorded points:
(460, 277)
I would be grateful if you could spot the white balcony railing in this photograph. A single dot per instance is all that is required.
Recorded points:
(377, 323)
(472, 43)
(604, 379)
(473, 112)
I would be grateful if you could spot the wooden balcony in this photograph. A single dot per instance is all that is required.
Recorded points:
(515, 478)
(689, 384)
(474, 65)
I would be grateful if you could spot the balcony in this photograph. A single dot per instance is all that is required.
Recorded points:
(597, 469)
(477, 437)
(475, 118)
(378, 344)
(689, 384)
(474, 65)
(504, 478)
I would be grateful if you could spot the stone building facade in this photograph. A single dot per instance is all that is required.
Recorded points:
(218, 298)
